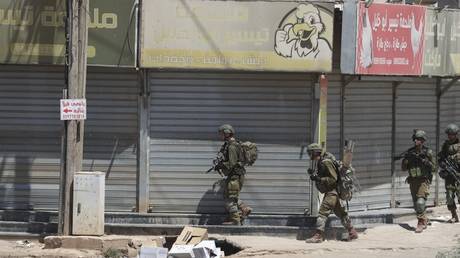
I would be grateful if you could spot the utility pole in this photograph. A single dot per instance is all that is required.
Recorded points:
(72, 158)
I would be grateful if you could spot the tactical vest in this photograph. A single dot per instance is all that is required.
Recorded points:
(415, 166)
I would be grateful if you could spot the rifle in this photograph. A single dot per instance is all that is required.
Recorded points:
(217, 163)
(450, 167)
(410, 155)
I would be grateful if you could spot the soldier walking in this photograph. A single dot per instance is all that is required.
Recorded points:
(451, 184)
(325, 177)
(234, 171)
(419, 162)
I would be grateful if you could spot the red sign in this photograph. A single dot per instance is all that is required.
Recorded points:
(390, 39)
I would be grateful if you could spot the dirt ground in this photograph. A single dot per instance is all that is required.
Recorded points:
(440, 240)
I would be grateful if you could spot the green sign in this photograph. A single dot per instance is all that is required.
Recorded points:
(33, 32)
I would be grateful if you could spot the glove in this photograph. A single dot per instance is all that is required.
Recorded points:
(219, 167)
(310, 171)
(315, 178)
(426, 162)
(443, 174)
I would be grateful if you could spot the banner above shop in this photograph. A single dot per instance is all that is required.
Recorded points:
(436, 44)
(453, 51)
(33, 32)
(390, 39)
(256, 35)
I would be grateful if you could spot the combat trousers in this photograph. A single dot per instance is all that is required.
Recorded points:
(419, 189)
(233, 185)
(452, 191)
(331, 203)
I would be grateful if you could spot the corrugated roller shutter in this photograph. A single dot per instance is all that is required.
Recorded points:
(450, 113)
(270, 109)
(368, 122)
(30, 132)
(415, 108)
(30, 137)
(111, 133)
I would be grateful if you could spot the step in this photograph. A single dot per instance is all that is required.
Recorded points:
(300, 233)
(28, 227)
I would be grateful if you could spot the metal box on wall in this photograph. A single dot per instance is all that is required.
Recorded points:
(88, 203)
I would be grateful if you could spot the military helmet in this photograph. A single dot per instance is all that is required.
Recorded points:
(314, 147)
(452, 129)
(226, 128)
(419, 134)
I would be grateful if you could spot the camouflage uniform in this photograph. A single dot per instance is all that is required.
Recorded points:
(452, 186)
(326, 183)
(419, 163)
(234, 172)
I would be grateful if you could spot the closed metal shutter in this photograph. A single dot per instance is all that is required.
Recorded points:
(368, 121)
(30, 137)
(111, 133)
(30, 132)
(415, 108)
(272, 110)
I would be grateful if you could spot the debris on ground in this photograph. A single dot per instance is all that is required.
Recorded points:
(24, 244)
(193, 243)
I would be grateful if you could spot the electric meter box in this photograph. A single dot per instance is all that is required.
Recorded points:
(88, 203)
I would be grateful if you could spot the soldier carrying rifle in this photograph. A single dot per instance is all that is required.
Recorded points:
(229, 163)
(418, 161)
(447, 157)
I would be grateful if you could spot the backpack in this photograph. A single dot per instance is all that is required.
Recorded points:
(248, 153)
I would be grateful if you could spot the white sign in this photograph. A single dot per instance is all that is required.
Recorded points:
(73, 109)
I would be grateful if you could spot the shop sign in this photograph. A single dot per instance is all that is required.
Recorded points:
(33, 32)
(241, 35)
(453, 52)
(390, 39)
(437, 30)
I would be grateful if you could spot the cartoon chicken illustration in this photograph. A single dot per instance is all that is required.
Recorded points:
(302, 39)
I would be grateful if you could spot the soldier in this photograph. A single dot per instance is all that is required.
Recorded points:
(452, 186)
(325, 175)
(419, 162)
(234, 171)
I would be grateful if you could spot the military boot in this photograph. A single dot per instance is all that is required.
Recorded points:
(318, 237)
(454, 218)
(426, 222)
(245, 210)
(420, 226)
(352, 234)
(233, 219)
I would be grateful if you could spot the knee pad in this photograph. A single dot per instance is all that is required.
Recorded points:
(420, 205)
(321, 223)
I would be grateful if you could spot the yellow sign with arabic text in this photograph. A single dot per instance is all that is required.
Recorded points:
(277, 36)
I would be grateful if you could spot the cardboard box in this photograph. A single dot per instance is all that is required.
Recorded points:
(191, 236)
(153, 252)
(181, 251)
